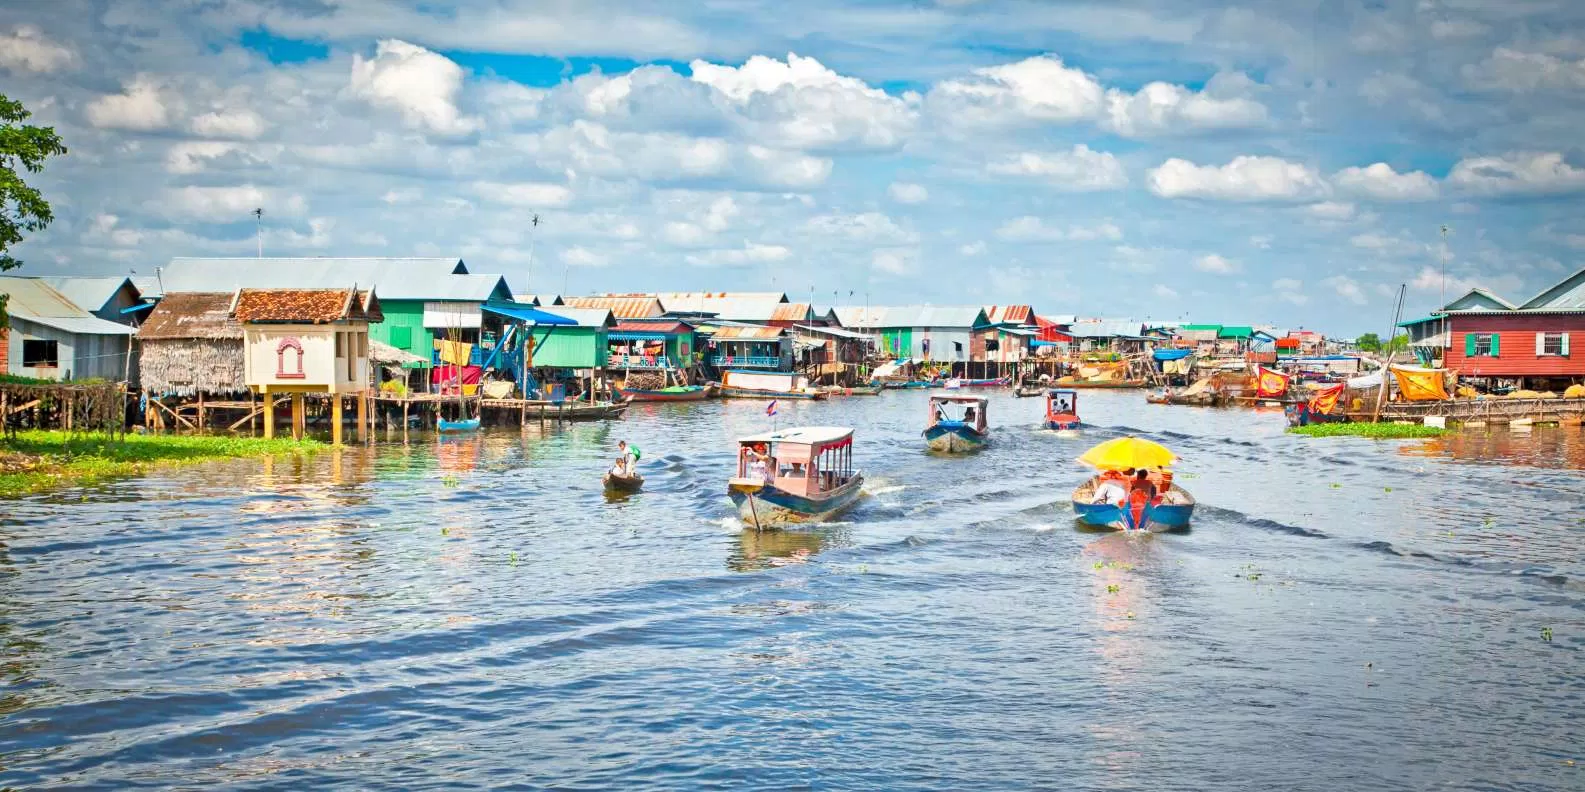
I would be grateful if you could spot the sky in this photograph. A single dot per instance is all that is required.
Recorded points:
(1283, 162)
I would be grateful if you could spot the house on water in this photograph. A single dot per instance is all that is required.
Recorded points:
(622, 306)
(52, 338)
(936, 334)
(1540, 343)
(113, 299)
(190, 350)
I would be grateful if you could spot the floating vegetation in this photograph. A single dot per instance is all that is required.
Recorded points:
(1335, 485)
(1375, 431)
(33, 461)
(444, 531)
(1113, 588)
(450, 481)
(512, 558)
(1546, 634)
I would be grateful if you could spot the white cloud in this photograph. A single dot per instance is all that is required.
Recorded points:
(683, 234)
(421, 85)
(229, 125)
(1381, 182)
(1032, 229)
(27, 49)
(1430, 279)
(1080, 169)
(1164, 291)
(972, 249)
(1261, 241)
(226, 204)
(799, 103)
(1347, 288)
(1039, 89)
(1457, 28)
(578, 256)
(1245, 178)
(1290, 290)
(1518, 173)
(404, 195)
(1216, 264)
(750, 253)
(1331, 210)
(530, 195)
(1160, 108)
(718, 217)
(867, 227)
(194, 156)
(1512, 71)
(894, 261)
(906, 193)
(1390, 246)
(139, 107)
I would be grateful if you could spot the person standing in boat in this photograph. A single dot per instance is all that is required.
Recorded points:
(630, 454)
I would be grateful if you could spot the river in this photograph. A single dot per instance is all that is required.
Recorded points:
(1344, 614)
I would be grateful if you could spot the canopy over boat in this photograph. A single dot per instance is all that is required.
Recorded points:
(1124, 453)
(956, 399)
(818, 436)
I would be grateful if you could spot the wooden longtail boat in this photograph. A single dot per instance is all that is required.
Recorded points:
(676, 393)
(1069, 382)
(1029, 391)
(561, 411)
(856, 390)
(767, 385)
(1168, 512)
(1062, 409)
(956, 436)
(615, 483)
(795, 475)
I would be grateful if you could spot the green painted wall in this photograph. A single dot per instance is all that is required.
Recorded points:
(403, 327)
(570, 347)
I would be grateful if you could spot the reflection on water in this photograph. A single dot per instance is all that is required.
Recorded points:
(357, 618)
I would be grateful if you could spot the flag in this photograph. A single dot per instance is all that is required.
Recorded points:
(770, 409)
(1325, 400)
(1270, 384)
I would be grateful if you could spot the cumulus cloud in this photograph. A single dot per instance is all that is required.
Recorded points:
(1331, 210)
(1382, 183)
(1032, 229)
(799, 103)
(530, 195)
(421, 85)
(1040, 89)
(226, 204)
(1388, 245)
(1080, 169)
(1290, 290)
(972, 249)
(587, 147)
(1519, 173)
(907, 193)
(894, 261)
(1164, 291)
(1216, 264)
(1245, 178)
(139, 107)
(196, 156)
(578, 256)
(750, 253)
(1346, 288)
(1513, 71)
(868, 227)
(229, 125)
(1161, 108)
(26, 49)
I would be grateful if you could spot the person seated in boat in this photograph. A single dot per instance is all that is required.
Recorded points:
(968, 416)
(1112, 488)
(758, 468)
(941, 413)
(1142, 483)
(619, 467)
(796, 471)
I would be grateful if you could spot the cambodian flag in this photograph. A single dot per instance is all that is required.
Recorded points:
(770, 409)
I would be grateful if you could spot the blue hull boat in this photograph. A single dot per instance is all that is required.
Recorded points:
(955, 437)
(467, 425)
(771, 506)
(1172, 512)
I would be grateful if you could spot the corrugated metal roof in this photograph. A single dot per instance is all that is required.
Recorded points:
(394, 278)
(1010, 314)
(1479, 299)
(1106, 328)
(538, 299)
(87, 325)
(744, 332)
(1567, 295)
(623, 306)
(191, 315)
(837, 332)
(1235, 331)
(791, 312)
(1056, 320)
(585, 317)
(666, 326)
(90, 294)
(32, 298)
(889, 316)
(742, 307)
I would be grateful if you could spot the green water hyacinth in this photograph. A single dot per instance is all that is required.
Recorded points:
(1376, 431)
(35, 461)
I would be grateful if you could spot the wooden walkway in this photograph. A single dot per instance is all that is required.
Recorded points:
(1491, 411)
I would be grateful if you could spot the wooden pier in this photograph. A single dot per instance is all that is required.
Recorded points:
(1568, 412)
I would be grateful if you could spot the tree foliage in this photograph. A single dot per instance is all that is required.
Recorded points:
(22, 207)
(1369, 342)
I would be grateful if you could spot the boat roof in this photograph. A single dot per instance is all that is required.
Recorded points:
(1056, 391)
(967, 399)
(805, 435)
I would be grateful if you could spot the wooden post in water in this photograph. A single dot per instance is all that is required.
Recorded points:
(268, 413)
(335, 419)
(299, 416)
(252, 413)
(363, 416)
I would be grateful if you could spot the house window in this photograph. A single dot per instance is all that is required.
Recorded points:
(993, 345)
(957, 346)
(1482, 345)
(1551, 344)
(40, 353)
(289, 359)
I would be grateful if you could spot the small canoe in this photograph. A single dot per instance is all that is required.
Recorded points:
(615, 483)
(1168, 513)
(1073, 383)
(1028, 391)
(751, 393)
(465, 425)
(999, 382)
(678, 393)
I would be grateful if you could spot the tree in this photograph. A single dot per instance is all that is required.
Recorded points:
(1369, 342)
(22, 208)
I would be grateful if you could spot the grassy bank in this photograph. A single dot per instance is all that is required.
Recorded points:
(35, 461)
(1378, 431)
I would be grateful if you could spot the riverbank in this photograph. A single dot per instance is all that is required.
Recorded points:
(35, 461)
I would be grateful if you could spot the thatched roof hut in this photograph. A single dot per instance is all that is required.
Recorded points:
(190, 345)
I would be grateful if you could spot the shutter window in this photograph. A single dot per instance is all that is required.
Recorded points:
(1496, 345)
(1469, 345)
(1565, 344)
(1540, 344)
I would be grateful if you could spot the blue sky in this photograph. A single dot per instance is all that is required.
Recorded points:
(1266, 162)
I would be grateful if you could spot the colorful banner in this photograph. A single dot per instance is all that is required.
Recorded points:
(1325, 400)
(1270, 384)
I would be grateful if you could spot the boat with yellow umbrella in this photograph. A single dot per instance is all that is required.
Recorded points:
(1115, 498)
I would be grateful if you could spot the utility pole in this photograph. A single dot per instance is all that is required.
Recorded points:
(258, 229)
(528, 285)
(1447, 340)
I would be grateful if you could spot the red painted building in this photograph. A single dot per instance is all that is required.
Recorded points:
(1541, 339)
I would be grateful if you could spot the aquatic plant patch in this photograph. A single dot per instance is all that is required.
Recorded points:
(34, 461)
(1378, 431)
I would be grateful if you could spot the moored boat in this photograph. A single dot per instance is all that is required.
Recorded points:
(955, 435)
(1070, 382)
(767, 385)
(795, 475)
(994, 382)
(855, 390)
(1029, 391)
(1062, 409)
(675, 393)
(454, 427)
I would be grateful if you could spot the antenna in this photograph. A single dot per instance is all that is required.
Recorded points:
(258, 229)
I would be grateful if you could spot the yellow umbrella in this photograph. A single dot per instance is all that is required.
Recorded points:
(1128, 452)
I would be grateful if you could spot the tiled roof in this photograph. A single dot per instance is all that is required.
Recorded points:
(191, 315)
(305, 306)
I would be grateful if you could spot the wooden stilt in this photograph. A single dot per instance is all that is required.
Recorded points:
(269, 413)
(405, 403)
(363, 417)
(335, 419)
(299, 416)
(201, 424)
(253, 411)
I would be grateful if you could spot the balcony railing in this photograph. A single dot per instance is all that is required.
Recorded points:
(746, 361)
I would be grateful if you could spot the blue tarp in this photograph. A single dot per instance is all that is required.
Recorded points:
(528, 313)
(1172, 354)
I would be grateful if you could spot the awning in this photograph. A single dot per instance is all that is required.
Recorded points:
(838, 332)
(802, 344)
(1172, 354)
(528, 313)
(623, 335)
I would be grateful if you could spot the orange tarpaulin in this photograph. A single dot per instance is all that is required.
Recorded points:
(1270, 384)
(1419, 384)
(1325, 400)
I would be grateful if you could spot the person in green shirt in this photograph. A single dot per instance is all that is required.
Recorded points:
(629, 453)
